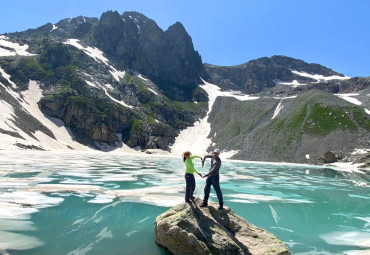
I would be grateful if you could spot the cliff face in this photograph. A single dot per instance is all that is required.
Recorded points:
(166, 57)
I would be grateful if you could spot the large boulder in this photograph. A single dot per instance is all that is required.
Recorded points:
(329, 157)
(190, 229)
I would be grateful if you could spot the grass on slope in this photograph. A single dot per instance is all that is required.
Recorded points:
(323, 120)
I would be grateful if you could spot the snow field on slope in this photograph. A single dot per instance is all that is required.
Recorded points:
(29, 104)
(196, 138)
(8, 48)
(98, 56)
(319, 77)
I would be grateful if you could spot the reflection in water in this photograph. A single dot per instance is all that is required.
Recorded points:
(94, 203)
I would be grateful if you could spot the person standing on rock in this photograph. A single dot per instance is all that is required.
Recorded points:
(213, 179)
(189, 175)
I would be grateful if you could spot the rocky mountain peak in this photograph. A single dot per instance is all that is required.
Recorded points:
(138, 18)
(109, 32)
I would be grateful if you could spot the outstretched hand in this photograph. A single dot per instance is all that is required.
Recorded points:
(201, 175)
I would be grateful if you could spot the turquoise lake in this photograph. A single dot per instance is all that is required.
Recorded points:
(103, 203)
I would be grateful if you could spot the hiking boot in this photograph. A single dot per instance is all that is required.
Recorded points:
(221, 207)
(203, 205)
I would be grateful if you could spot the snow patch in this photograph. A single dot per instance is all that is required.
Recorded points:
(360, 151)
(216, 91)
(141, 77)
(350, 98)
(346, 167)
(98, 56)
(279, 107)
(294, 83)
(90, 83)
(153, 91)
(6, 116)
(109, 86)
(7, 77)
(8, 48)
(54, 27)
(228, 154)
(115, 100)
(196, 138)
(95, 53)
(319, 77)
(63, 136)
(117, 74)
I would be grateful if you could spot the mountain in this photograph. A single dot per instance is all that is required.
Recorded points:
(121, 82)
(256, 75)
(132, 41)
(101, 92)
(292, 129)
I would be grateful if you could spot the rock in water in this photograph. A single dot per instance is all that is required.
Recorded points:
(190, 229)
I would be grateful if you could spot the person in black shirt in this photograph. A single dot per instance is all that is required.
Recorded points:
(213, 178)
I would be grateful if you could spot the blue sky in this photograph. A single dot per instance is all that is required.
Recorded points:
(334, 33)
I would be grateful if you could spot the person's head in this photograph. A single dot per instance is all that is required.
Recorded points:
(216, 153)
(186, 155)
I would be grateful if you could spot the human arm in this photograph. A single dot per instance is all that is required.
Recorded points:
(193, 157)
(204, 158)
(191, 167)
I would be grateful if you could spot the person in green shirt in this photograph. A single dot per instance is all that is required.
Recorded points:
(189, 175)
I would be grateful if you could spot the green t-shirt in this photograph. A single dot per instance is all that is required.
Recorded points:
(190, 165)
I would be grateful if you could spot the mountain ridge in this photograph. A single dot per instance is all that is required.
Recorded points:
(123, 81)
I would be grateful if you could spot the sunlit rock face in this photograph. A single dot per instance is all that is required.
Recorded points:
(190, 229)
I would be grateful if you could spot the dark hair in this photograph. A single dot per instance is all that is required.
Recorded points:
(184, 159)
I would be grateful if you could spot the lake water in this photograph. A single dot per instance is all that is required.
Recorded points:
(100, 203)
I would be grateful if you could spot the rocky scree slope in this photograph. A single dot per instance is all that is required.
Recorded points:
(292, 129)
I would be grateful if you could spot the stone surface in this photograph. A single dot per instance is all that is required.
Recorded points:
(190, 229)
(329, 157)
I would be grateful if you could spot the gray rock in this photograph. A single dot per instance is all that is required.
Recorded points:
(190, 229)
(329, 157)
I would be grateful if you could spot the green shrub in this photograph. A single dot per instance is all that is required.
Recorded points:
(135, 125)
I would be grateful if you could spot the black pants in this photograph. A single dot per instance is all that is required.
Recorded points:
(215, 182)
(190, 186)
